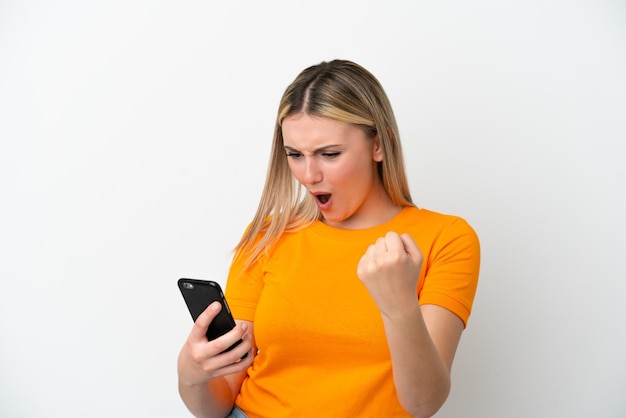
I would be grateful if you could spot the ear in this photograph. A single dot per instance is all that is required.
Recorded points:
(377, 151)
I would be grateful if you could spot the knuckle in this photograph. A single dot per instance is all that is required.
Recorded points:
(194, 350)
(196, 356)
(207, 367)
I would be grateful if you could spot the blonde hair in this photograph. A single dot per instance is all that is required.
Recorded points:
(340, 90)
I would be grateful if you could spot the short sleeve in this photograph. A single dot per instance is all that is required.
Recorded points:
(243, 288)
(452, 268)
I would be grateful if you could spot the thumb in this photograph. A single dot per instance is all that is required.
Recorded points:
(201, 325)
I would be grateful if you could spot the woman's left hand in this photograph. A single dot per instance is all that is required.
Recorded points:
(390, 269)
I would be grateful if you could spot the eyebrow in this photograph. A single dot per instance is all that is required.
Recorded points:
(315, 151)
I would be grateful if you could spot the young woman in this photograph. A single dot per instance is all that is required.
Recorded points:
(351, 300)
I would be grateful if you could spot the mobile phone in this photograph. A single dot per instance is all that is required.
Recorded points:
(198, 295)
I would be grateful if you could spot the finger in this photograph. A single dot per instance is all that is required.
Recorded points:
(200, 327)
(411, 247)
(394, 242)
(237, 362)
(236, 351)
(380, 245)
(232, 338)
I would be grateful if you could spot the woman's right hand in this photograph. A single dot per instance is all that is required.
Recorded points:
(201, 361)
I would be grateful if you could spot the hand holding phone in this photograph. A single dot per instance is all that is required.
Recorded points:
(198, 295)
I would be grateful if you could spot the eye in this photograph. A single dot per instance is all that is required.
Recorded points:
(294, 154)
(331, 155)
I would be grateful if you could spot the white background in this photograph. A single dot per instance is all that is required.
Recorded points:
(134, 141)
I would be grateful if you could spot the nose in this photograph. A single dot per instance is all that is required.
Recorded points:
(312, 172)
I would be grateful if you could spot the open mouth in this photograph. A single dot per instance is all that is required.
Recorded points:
(322, 198)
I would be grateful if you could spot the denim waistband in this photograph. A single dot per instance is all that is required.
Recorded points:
(236, 413)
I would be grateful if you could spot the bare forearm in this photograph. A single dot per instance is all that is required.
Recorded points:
(421, 377)
(213, 398)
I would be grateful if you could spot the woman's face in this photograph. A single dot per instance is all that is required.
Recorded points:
(337, 164)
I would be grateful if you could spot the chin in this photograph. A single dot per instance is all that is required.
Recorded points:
(336, 220)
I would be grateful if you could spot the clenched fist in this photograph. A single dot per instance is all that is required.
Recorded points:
(390, 269)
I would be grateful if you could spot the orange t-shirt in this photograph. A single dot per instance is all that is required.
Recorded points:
(322, 345)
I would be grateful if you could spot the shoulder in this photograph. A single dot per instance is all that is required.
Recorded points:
(427, 219)
(435, 232)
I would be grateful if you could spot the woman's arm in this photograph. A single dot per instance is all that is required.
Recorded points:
(422, 340)
(208, 381)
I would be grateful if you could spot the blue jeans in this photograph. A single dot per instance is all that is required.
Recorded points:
(236, 413)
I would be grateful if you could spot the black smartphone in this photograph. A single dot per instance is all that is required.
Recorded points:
(198, 295)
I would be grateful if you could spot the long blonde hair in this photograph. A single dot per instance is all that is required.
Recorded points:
(340, 90)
